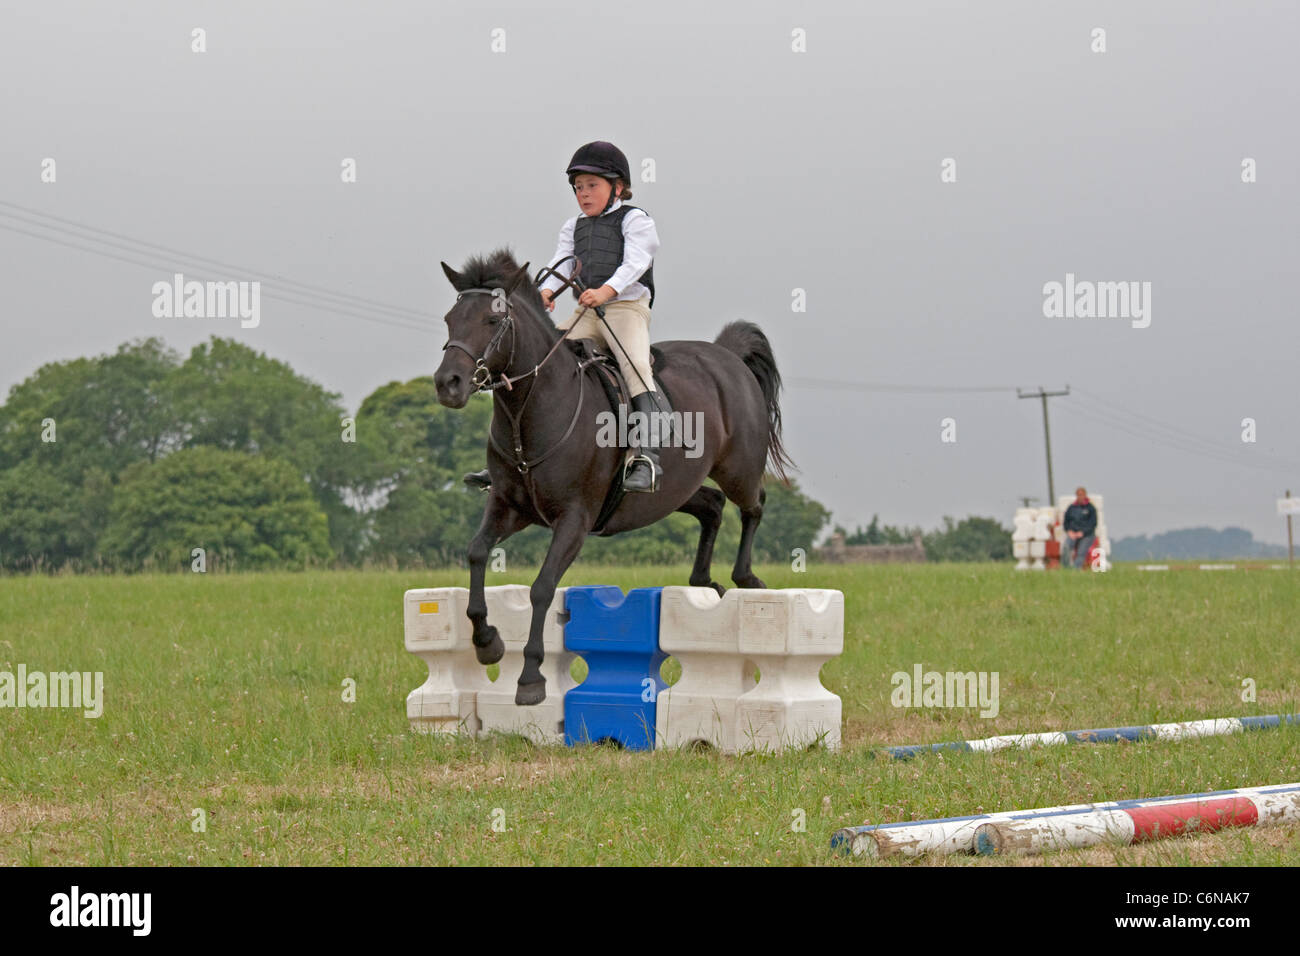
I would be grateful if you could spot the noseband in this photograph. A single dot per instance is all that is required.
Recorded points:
(482, 374)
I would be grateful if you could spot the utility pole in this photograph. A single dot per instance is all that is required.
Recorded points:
(1290, 542)
(1047, 434)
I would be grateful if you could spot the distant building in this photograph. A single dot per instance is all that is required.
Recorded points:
(837, 552)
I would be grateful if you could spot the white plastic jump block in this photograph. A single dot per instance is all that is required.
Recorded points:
(510, 611)
(786, 635)
(458, 697)
(1020, 551)
(438, 632)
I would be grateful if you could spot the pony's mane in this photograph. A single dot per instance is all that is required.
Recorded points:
(492, 271)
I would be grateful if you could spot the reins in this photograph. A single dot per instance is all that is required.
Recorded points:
(482, 382)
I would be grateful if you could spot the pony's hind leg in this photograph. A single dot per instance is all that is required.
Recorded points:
(707, 505)
(750, 516)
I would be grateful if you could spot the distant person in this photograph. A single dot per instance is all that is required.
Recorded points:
(1080, 531)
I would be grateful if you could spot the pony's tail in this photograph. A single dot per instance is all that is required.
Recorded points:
(748, 342)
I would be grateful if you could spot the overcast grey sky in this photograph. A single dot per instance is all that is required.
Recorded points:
(775, 170)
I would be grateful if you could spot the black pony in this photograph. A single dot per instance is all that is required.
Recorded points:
(547, 471)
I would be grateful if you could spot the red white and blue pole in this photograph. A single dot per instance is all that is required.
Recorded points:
(1081, 825)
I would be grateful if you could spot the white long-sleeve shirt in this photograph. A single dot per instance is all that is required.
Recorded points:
(640, 243)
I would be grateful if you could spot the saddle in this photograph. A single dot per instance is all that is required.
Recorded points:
(597, 360)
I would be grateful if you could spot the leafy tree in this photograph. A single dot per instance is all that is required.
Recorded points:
(418, 451)
(229, 396)
(107, 412)
(37, 528)
(245, 511)
(875, 534)
(65, 433)
(973, 539)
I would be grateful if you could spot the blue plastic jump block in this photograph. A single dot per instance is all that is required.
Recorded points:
(618, 637)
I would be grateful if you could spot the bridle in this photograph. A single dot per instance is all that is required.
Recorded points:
(483, 374)
(482, 382)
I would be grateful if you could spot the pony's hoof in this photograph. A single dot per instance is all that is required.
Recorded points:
(710, 584)
(529, 695)
(493, 650)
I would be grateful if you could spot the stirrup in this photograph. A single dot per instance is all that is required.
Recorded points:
(478, 479)
(655, 473)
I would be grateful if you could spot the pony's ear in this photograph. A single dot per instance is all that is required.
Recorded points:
(455, 278)
(517, 278)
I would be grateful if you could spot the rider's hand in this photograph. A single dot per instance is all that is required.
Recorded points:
(546, 298)
(594, 297)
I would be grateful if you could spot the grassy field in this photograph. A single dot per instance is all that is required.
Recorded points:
(225, 694)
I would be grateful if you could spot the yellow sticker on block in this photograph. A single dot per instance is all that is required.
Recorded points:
(428, 607)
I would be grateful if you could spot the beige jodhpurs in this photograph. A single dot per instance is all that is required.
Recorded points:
(630, 320)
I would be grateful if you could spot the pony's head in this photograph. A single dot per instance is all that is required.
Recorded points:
(482, 332)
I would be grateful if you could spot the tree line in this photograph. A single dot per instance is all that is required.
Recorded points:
(133, 460)
(138, 459)
(971, 539)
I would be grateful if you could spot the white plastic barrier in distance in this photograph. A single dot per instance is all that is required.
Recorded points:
(787, 635)
(1024, 528)
(1024, 524)
(1044, 519)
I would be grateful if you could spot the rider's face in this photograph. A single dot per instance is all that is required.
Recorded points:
(592, 193)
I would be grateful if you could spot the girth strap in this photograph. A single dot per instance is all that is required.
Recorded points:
(523, 465)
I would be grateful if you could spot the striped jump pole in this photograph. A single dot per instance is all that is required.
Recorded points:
(914, 838)
(1217, 727)
(1137, 821)
(1053, 828)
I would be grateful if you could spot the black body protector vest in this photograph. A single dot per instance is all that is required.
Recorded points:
(598, 242)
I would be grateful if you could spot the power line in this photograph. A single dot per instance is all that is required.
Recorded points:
(1223, 457)
(304, 288)
(1192, 436)
(1200, 446)
(1195, 446)
(831, 383)
(269, 294)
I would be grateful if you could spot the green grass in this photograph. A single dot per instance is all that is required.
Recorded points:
(224, 693)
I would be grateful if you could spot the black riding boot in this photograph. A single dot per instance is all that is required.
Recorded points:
(478, 479)
(644, 472)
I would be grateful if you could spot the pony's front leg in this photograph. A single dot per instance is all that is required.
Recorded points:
(570, 531)
(499, 522)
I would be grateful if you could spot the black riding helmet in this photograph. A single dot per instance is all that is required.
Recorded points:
(602, 159)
